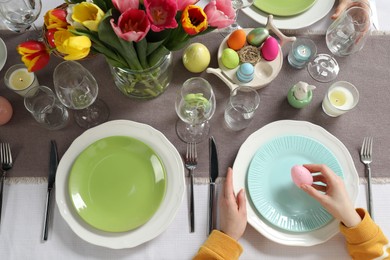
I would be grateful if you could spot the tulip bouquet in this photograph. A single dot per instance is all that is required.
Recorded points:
(131, 34)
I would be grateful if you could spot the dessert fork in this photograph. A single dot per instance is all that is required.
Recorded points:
(191, 161)
(366, 158)
(6, 164)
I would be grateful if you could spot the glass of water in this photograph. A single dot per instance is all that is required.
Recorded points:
(241, 107)
(345, 36)
(195, 105)
(19, 15)
(77, 89)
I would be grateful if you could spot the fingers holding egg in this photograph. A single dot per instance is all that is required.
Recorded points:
(300, 175)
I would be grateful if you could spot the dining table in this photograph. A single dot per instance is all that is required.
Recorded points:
(25, 189)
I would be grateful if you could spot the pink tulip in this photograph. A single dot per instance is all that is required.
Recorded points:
(161, 14)
(220, 13)
(124, 5)
(181, 4)
(133, 25)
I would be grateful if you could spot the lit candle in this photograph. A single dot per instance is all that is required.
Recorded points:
(341, 97)
(18, 79)
(21, 79)
(302, 51)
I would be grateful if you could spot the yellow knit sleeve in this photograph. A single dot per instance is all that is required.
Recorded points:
(219, 246)
(366, 240)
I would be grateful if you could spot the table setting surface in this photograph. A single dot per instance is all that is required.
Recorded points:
(26, 183)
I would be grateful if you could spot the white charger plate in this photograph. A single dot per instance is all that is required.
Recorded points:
(168, 207)
(291, 127)
(318, 11)
(3, 54)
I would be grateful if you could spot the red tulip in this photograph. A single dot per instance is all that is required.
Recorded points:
(133, 25)
(35, 54)
(50, 37)
(161, 14)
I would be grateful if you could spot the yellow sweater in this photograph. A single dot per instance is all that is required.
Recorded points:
(365, 241)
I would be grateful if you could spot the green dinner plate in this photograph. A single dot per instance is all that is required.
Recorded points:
(272, 190)
(284, 7)
(117, 183)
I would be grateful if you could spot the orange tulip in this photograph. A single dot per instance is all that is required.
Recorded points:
(35, 54)
(194, 20)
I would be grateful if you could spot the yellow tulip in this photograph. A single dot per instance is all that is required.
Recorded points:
(75, 47)
(87, 14)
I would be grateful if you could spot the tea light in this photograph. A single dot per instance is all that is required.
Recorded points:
(302, 51)
(341, 97)
(18, 79)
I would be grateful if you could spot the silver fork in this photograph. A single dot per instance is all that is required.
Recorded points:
(366, 158)
(6, 164)
(191, 161)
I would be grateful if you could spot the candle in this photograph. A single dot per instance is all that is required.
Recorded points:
(18, 79)
(301, 52)
(341, 97)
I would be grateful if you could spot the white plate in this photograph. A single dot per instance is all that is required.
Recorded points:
(168, 207)
(291, 127)
(312, 15)
(3, 54)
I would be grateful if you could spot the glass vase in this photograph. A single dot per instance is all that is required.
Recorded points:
(144, 84)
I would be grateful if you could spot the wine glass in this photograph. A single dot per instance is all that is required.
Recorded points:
(237, 5)
(77, 89)
(195, 105)
(19, 15)
(345, 36)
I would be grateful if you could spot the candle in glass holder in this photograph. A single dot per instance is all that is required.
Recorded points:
(18, 79)
(303, 49)
(341, 97)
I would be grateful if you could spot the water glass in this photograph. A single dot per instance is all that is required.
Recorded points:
(340, 98)
(19, 15)
(42, 103)
(241, 107)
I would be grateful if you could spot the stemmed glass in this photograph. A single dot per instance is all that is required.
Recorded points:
(345, 36)
(77, 89)
(195, 105)
(237, 5)
(19, 15)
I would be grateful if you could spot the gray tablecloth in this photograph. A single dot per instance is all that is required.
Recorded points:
(368, 70)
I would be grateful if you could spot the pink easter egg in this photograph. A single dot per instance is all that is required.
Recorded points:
(270, 49)
(300, 175)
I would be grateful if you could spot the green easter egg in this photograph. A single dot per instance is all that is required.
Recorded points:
(257, 36)
(230, 58)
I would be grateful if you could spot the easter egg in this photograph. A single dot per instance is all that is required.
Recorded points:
(236, 40)
(196, 57)
(5, 111)
(245, 72)
(270, 49)
(230, 58)
(300, 175)
(257, 36)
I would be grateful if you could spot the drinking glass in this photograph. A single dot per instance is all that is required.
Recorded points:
(345, 36)
(42, 103)
(237, 5)
(77, 89)
(195, 105)
(19, 15)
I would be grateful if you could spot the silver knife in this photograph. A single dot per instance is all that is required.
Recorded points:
(213, 177)
(51, 180)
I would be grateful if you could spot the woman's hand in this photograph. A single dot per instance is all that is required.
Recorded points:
(333, 196)
(232, 210)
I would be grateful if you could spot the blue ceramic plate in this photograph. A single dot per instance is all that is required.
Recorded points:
(272, 191)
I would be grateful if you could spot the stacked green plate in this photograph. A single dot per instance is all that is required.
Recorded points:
(117, 183)
(284, 7)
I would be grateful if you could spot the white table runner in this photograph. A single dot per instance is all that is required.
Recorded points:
(22, 222)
